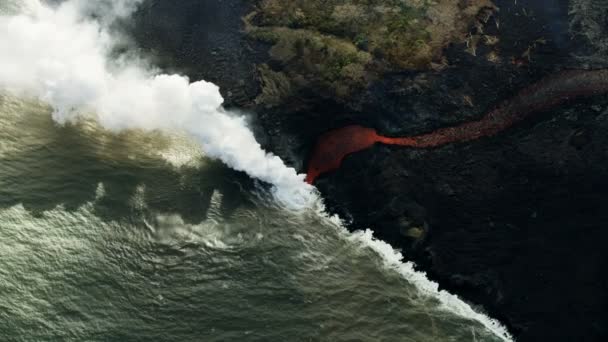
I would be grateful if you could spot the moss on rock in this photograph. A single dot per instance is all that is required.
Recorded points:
(342, 45)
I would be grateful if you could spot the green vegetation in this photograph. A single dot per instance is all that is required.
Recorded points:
(393, 29)
(342, 45)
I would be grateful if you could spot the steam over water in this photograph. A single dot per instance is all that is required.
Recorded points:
(61, 57)
(117, 223)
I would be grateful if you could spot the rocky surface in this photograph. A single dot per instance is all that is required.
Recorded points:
(515, 223)
(337, 48)
(512, 222)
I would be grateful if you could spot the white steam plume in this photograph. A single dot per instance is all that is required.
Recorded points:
(61, 56)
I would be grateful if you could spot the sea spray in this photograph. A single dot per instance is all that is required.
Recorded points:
(393, 259)
(61, 56)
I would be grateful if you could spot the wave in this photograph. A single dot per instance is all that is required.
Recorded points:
(61, 55)
(394, 260)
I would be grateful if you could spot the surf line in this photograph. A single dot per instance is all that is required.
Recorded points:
(333, 146)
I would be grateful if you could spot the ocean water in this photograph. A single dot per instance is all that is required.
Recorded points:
(137, 236)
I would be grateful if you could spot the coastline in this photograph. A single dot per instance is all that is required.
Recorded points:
(480, 217)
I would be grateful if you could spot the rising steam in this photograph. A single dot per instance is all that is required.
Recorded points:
(61, 56)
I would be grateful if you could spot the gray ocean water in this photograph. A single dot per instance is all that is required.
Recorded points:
(138, 237)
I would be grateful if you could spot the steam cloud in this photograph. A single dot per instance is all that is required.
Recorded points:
(61, 56)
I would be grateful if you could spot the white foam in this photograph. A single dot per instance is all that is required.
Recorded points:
(60, 56)
(394, 260)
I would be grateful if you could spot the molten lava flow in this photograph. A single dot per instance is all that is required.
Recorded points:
(334, 146)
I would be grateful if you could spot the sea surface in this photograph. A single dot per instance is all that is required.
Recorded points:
(139, 237)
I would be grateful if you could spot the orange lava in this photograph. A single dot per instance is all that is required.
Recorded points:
(334, 146)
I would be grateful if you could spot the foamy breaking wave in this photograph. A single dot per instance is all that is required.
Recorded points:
(394, 260)
(60, 56)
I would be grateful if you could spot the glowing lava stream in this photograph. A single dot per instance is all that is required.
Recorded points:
(334, 146)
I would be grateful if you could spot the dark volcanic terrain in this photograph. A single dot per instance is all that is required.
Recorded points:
(516, 222)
